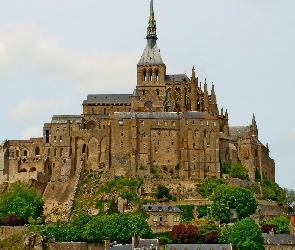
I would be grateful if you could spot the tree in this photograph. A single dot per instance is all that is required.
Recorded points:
(207, 186)
(184, 234)
(21, 200)
(289, 196)
(163, 192)
(281, 224)
(211, 238)
(226, 197)
(187, 213)
(272, 191)
(238, 170)
(202, 211)
(243, 235)
(205, 226)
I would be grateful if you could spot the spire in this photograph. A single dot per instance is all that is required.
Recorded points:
(152, 27)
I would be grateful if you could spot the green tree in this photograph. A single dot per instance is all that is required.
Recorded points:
(238, 170)
(272, 191)
(163, 192)
(243, 235)
(205, 226)
(226, 197)
(187, 213)
(207, 186)
(281, 224)
(21, 200)
(289, 195)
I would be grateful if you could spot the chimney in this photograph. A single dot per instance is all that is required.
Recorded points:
(134, 241)
(106, 244)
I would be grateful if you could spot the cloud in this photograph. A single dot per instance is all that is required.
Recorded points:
(30, 109)
(24, 51)
(31, 132)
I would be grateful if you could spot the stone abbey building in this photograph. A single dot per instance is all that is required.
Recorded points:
(168, 120)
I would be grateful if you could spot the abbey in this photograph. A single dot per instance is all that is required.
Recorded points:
(168, 120)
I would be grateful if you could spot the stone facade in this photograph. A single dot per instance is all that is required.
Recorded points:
(169, 120)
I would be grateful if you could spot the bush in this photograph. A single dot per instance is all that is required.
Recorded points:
(187, 213)
(211, 238)
(184, 234)
(163, 192)
(11, 220)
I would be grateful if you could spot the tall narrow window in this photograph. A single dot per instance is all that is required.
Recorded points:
(84, 149)
(157, 91)
(143, 92)
(60, 152)
(104, 111)
(37, 151)
(47, 136)
(151, 76)
(144, 76)
(157, 75)
(25, 152)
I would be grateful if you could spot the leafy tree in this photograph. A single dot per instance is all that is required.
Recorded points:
(243, 235)
(238, 170)
(272, 191)
(281, 224)
(184, 234)
(226, 197)
(21, 200)
(289, 195)
(207, 186)
(187, 213)
(205, 226)
(202, 211)
(116, 227)
(211, 238)
(163, 192)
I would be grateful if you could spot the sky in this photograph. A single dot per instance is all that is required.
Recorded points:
(53, 53)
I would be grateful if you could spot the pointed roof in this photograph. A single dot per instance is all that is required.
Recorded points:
(151, 54)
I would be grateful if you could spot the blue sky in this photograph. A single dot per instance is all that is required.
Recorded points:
(53, 53)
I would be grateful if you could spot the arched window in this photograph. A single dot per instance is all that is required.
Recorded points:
(157, 75)
(37, 151)
(144, 76)
(157, 91)
(25, 153)
(151, 76)
(143, 92)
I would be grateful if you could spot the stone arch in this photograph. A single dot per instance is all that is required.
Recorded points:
(32, 169)
(23, 170)
(25, 152)
(91, 124)
(80, 148)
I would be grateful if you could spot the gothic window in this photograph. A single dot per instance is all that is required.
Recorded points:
(60, 138)
(157, 91)
(104, 111)
(141, 122)
(54, 138)
(173, 123)
(196, 132)
(168, 98)
(37, 151)
(60, 152)
(84, 149)
(207, 123)
(55, 152)
(25, 153)
(151, 76)
(143, 92)
(193, 122)
(157, 75)
(144, 75)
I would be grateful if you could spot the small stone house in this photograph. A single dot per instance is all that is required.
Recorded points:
(162, 218)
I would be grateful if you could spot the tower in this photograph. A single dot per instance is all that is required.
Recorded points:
(151, 72)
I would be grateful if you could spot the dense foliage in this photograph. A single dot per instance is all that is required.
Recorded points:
(281, 224)
(226, 197)
(207, 186)
(211, 238)
(272, 191)
(119, 227)
(11, 220)
(203, 211)
(237, 170)
(184, 234)
(22, 201)
(243, 235)
(187, 213)
(162, 192)
(205, 226)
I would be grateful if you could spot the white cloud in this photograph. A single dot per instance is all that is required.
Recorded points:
(31, 132)
(30, 109)
(24, 51)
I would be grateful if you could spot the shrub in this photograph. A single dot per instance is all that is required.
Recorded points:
(11, 220)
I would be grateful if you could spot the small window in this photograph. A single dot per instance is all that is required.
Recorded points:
(57, 129)
(25, 153)
(151, 76)
(173, 123)
(60, 138)
(155, 218)
(157, 123)
(144, 146)
(55, 152)
(160, 208)
(186, 122)
(201, 122)
(193, 121)
(104, 111)
(157, 75)
(172, 142)
(207, 123)
(141, 122)
(37, 151)
(60, 152)
(157, 91)
(194, 144)
(121, 123)
(122, 133)
(165, 123)
(144, 75)
(165, 218)
(54, 138)
(121, 144)
(143, 92)
(215, 124)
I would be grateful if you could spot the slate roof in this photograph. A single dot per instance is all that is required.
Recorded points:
(147, 244)
(239, 130)
(65, 118)
(157, 208)
(151, 56)
(163, 115)
(282, 239)
(199, 246)
(108, 99)
(121, 247)
(177, 78)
